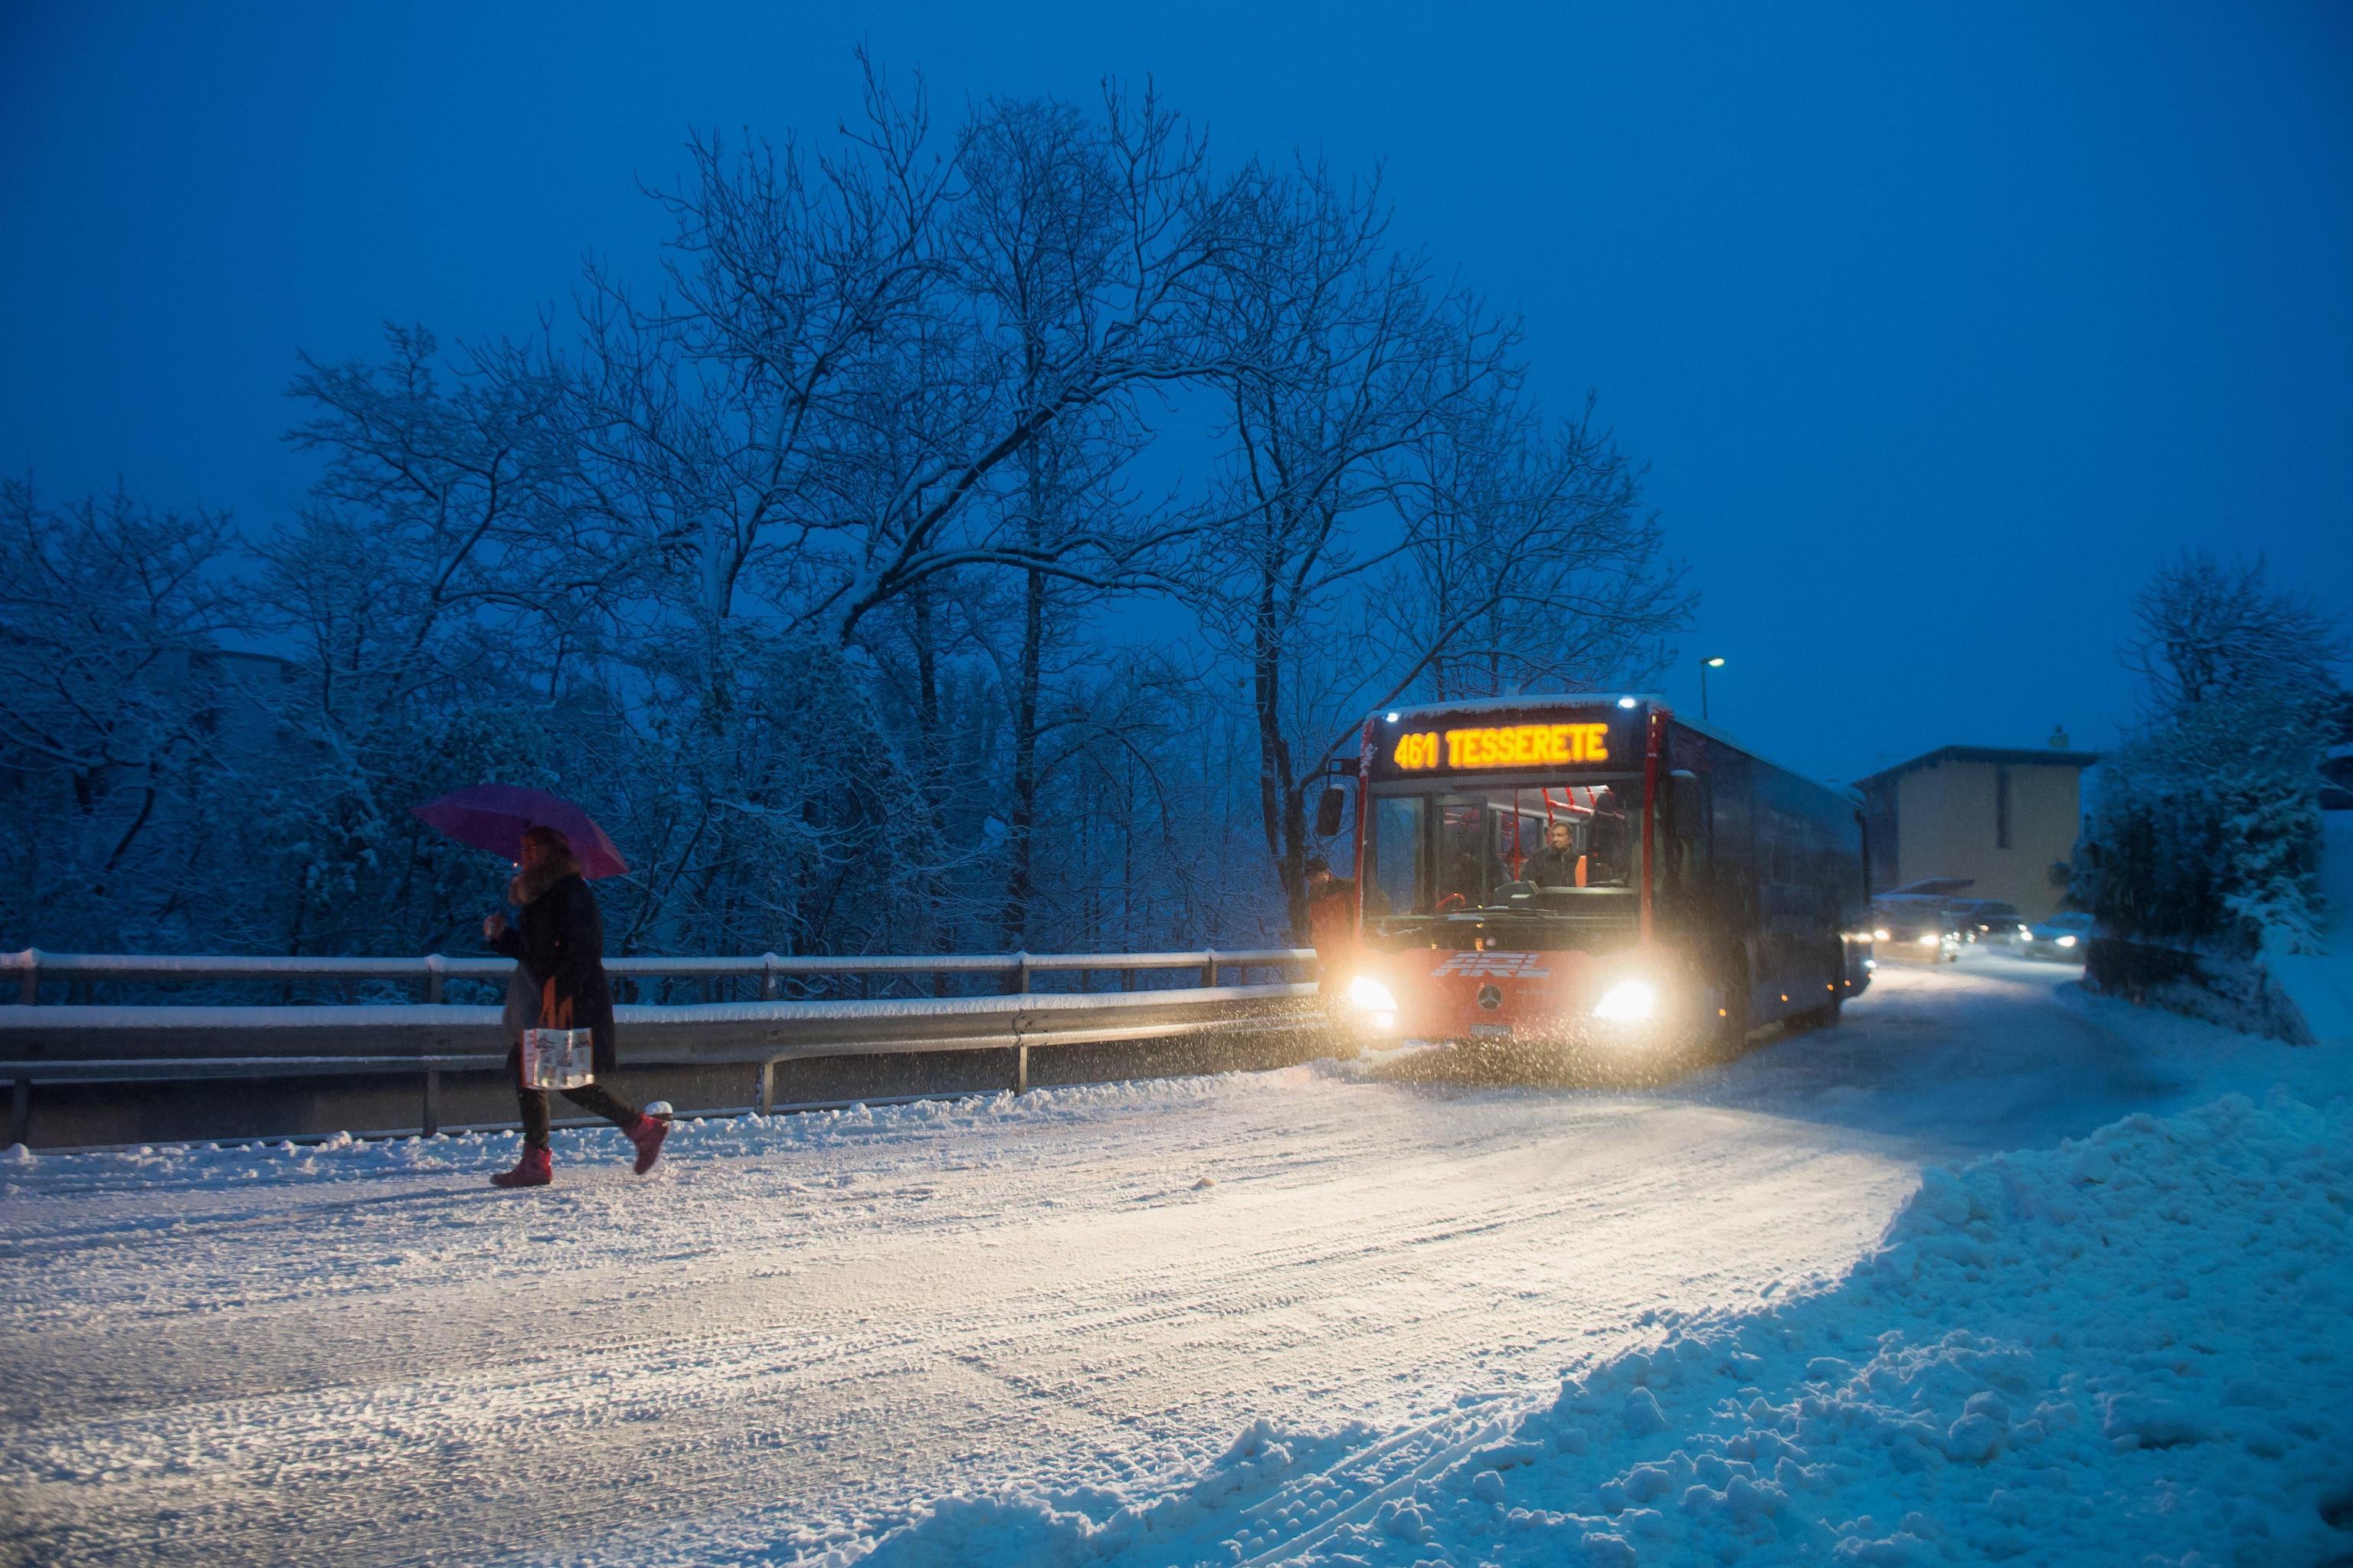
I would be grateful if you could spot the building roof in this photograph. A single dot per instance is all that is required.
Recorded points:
(2012, 756)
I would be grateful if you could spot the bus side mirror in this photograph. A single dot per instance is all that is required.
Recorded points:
(1327, 813)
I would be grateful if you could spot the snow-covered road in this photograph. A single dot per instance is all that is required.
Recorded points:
(800, 1327)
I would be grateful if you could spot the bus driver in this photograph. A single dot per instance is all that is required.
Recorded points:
(1556, 864)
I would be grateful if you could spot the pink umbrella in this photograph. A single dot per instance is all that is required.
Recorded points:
(493, 816)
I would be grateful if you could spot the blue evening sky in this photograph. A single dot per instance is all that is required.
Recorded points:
(1938, 326)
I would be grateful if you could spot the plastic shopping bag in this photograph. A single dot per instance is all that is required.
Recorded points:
(558, 1059)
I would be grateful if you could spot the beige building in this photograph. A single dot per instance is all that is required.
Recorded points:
(2006, 819)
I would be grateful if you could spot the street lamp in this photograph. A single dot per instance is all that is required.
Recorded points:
(1714, 662)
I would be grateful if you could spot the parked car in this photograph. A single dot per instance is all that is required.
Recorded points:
(1917, 926)
(1990, 923)
(2063, 936)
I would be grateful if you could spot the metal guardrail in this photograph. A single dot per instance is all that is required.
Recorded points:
(150, 1044)
(431, 972)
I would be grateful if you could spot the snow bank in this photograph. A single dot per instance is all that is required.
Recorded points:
(2320, 985)
(2131, 1350)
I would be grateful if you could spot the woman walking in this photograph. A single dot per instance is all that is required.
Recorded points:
(558, 944)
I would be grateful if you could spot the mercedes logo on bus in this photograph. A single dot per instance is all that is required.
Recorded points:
(1490, 997)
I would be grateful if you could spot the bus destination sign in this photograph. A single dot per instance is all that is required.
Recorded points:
(1506, 746)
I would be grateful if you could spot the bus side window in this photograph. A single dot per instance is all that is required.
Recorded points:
(1698, 834)
(1688, 822)
(1396, 848)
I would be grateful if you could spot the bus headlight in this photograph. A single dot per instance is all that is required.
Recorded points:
(1367, 994)
(1627, 1001)
(1931, 940)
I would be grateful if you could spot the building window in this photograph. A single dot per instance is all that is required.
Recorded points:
(2001, 807)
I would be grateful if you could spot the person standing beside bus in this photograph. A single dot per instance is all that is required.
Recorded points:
(1331, 920)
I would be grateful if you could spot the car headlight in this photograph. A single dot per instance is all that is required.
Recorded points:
(1627, 1001)
(1931, 940)
(1369, 995)
(1879, 936)
(2066, 941)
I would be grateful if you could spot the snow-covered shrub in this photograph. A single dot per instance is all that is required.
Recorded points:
(2205, 832)
(2204, 829)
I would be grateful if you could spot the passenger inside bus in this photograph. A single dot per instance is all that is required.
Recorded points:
(1609, 837)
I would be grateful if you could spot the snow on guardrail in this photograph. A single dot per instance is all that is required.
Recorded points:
(32, 966)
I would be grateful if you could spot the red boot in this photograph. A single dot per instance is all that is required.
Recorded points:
(536, 1169)
(647, 1136)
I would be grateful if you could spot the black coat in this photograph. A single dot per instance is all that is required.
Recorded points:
(560, 937)
(1550, 867)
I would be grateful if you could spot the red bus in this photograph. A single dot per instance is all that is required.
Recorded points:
(1593, 872)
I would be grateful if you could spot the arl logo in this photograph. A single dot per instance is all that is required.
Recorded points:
(1495, 966)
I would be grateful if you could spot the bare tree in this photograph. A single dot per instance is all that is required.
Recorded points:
(2205, 630)
(445, 507)
(1341, 362)
(1530, 566)
(832, 572)
(1086, 255)
(709, 419)
(1394, 516)
(110, 705)
(446, 598)
(1085, 250)
(878, 371)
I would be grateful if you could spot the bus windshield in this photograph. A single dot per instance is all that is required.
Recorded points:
(1537, 849)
